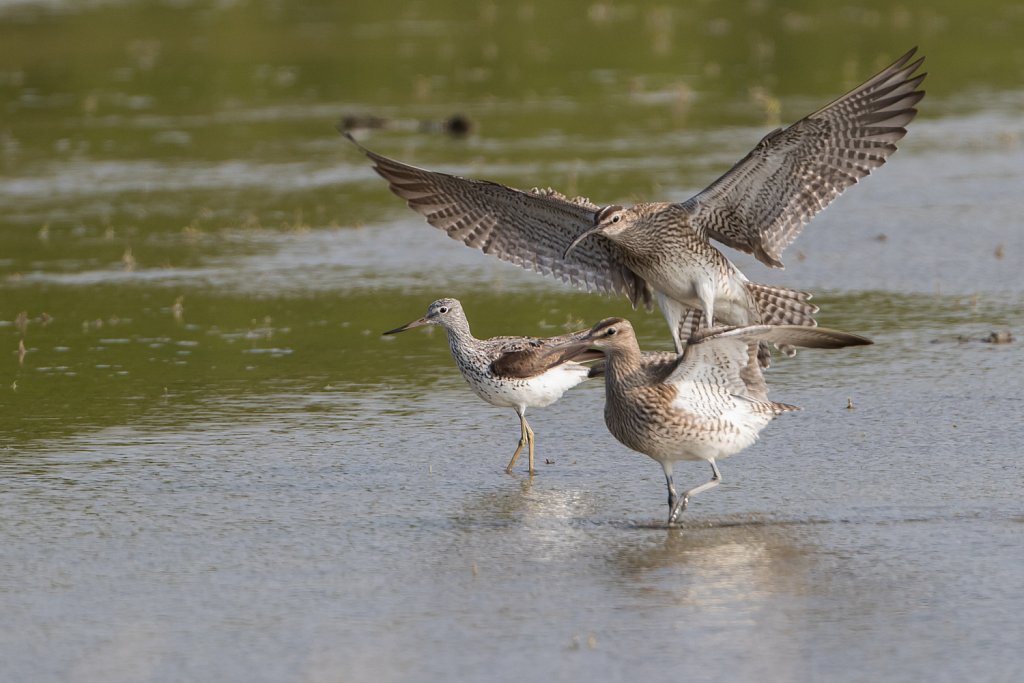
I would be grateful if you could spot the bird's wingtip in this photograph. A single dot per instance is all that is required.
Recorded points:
(340, 126)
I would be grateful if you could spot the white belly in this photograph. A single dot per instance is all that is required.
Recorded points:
(684, 281)
(537, 392)
(724, 430)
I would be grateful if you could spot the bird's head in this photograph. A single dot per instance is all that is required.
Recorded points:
(611, 334)
(610, 221)
(439, 312)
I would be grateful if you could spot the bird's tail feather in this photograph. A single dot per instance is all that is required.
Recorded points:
(781, 306)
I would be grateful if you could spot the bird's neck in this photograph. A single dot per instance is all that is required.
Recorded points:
(623, 367)
(459, 336)
(647, 234)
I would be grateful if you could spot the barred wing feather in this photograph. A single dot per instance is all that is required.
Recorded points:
(763, 202)
(528, 229)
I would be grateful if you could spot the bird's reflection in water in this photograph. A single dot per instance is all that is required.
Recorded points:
(527, 500)
(728, 561)
(543, 518)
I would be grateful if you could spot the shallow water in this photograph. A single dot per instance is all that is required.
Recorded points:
(212, 466)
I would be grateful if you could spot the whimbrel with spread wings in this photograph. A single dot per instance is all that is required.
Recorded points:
(663, 249)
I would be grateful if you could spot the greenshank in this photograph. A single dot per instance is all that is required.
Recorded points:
(509, 372)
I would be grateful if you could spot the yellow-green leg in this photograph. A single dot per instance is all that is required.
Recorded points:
(530, 439)
(526, 438)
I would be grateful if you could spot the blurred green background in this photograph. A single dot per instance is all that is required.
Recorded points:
(181, 227)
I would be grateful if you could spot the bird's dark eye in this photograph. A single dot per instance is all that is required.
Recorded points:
(610, 332)
(616, 218)
(443, 309)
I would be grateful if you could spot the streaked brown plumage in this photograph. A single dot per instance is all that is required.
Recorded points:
(706, 404)
(759, 206)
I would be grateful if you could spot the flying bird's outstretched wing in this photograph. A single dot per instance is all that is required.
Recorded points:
(763, 202)
(529, 229)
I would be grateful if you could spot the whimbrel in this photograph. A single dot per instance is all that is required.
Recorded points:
(663, 249)
(709, 403)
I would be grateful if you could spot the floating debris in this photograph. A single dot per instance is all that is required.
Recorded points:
(1004, 337)
(361, 121)
(577, 643)
(456, 125)
(849, 404)
(999, 252)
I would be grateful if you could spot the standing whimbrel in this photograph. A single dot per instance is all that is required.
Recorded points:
(511, 372)
(759, 207)
(709, 403)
